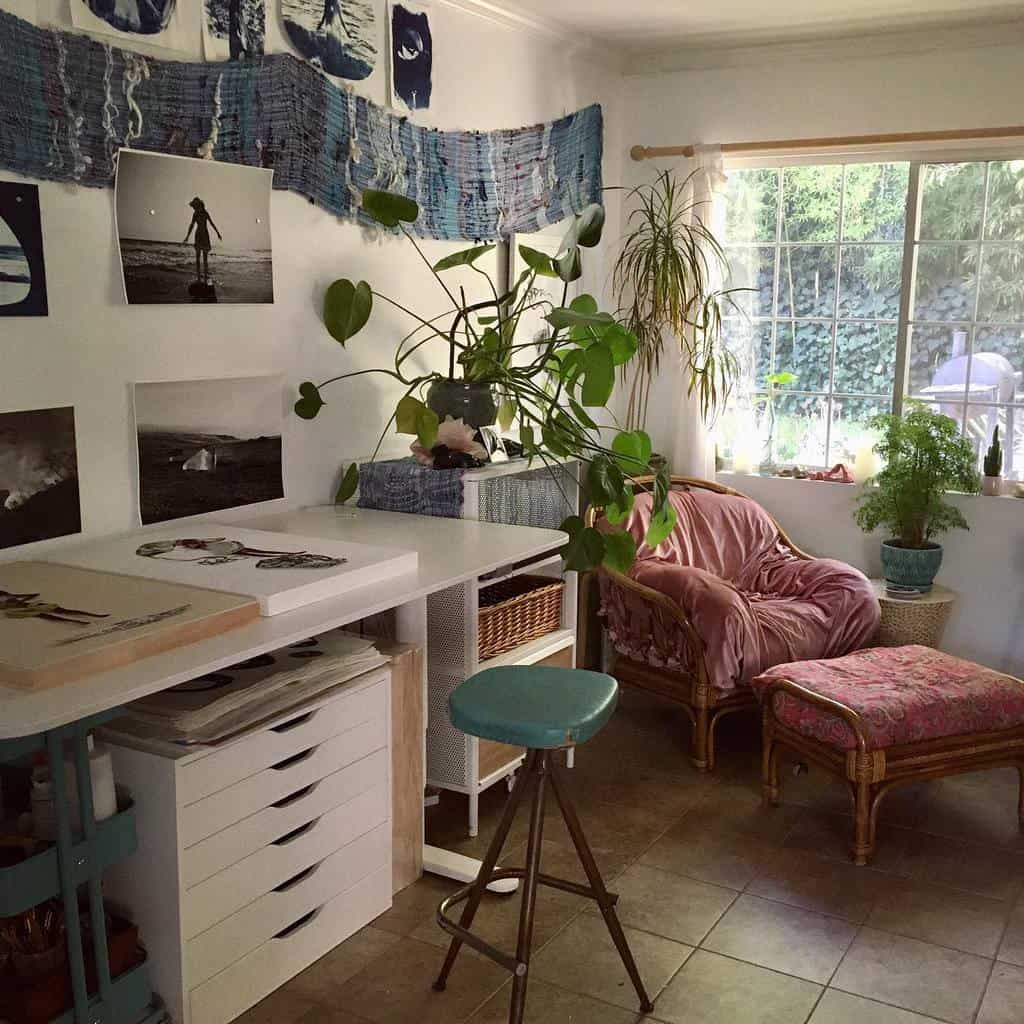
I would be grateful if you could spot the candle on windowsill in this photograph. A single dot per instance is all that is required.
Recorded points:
(743, 456)
(866, 463)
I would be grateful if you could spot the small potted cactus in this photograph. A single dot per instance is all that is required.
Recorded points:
(992, 480)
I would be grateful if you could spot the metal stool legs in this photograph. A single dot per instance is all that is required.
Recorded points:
(538, 772)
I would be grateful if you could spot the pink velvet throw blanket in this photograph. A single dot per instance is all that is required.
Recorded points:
(751, 600)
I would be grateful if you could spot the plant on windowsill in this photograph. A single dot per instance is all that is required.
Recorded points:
(552, 386)
(993, 466)
(925, 456)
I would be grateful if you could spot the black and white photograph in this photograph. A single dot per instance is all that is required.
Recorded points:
(234, 29)
(206, 445)
(39, 497)
(412, 57)
(193, 231)
(338, 36)
(22, 270)
(158, 22)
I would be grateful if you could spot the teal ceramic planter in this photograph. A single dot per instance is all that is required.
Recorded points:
(911, 567)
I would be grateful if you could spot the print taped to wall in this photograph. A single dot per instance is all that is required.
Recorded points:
(412, 56)
(158, 22)
(206, 445)
(39, 496)
(338, 36)
(193, 231)
(22, 271)
(234, 29)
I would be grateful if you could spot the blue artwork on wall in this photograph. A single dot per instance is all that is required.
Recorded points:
(139, 17)
(335, 35)
(412, 57)
(22, 273)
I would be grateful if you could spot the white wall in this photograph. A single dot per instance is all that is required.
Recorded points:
(777, 94)
(486, 75)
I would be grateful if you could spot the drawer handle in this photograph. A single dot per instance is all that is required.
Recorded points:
(288, 762)
(302, 922)
(296, 796)
(290, 837)
(293, 723)
(297, 879)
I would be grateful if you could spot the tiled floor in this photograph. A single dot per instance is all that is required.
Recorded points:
(737, 913)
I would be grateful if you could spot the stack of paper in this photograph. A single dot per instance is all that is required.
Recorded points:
(221, 704)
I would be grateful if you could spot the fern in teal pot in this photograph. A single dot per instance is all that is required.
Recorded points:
(925, 456)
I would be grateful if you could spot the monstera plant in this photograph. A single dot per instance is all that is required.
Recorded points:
(554, 387)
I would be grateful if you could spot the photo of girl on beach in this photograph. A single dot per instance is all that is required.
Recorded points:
(195, 231)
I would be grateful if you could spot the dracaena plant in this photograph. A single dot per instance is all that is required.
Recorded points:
(555, 387)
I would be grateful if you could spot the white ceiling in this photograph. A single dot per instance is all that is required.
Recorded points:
(658, 25)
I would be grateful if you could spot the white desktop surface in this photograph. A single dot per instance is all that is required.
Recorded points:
(450, 552)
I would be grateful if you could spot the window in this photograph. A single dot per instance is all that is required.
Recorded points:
(818, 332)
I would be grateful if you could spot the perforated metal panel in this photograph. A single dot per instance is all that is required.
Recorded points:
(446, 668)
(538, 497)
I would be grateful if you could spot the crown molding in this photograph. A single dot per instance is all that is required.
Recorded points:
(712, 52)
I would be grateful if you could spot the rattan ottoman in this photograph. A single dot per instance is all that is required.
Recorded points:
(887, 716)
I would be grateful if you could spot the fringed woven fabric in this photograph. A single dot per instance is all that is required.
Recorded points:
(69, 102)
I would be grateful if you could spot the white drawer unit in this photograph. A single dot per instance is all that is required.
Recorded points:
(259, 855)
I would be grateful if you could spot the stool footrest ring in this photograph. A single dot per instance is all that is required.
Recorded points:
(510, 963)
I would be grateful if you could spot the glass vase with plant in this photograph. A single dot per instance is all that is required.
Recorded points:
(555, 387)
(924, 456)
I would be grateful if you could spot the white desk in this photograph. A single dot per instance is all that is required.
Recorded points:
(451, 551)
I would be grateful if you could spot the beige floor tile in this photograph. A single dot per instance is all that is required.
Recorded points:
(914, 975)
(1004, 997)
(712, 989)
(980, 869)
(728, 859)
(1012, 948)
(667, 904)
(842, 1008)
(280, 1007)
(414, 905)
(782, 938)
(583, 959)
(737, 807)
(329, 1015)
(946, 917)
(831, 835)
(978, 808)
(321, 981)
(816, 883)
(547, 1004)
(398, 988)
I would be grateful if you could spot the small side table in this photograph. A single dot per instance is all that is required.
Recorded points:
(920, 621)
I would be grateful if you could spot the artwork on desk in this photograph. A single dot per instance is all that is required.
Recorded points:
(234, 29)
(59, 623)
(22, 270)
(207, 445)
(193, 231)
(296, 571)
(158, 22)
(338, 36)
(412, 56)
(39, 497)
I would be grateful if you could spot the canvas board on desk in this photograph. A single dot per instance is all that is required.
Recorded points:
(252, 562)
(97, 621)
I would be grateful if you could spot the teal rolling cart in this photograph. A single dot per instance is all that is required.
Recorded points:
(77, 860)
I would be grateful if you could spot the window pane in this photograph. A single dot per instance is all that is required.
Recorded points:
(1002, 283)
(751, 206)
(938, 361)
(851, 426)
(945, 282)
(870, 279)
(807, 280)
(875, 204)
(1005, 216)
(952, 197)
(751, 343)
(804, 348)
(865, 359)
(810, 203)
(799, 434)
(752, 267)
(1002, 348)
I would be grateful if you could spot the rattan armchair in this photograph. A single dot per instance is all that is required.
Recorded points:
(689, 684)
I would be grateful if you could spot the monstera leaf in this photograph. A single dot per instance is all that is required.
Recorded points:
(347, 307)
(389, 208)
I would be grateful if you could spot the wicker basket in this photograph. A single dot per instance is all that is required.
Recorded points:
(518, 610)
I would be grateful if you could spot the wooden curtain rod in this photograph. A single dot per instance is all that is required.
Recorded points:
(836, 141)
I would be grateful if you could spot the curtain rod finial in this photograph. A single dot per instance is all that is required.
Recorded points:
(638, 152)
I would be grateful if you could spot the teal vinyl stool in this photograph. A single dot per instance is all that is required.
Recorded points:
(542, 709)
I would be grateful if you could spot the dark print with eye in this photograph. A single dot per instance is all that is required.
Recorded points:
(412, 57)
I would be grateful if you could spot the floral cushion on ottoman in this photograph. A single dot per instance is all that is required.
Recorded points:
(902, 694)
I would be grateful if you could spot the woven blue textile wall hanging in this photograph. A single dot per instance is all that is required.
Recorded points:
(68, 103)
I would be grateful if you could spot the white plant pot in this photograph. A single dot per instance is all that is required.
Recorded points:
(992, 485)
